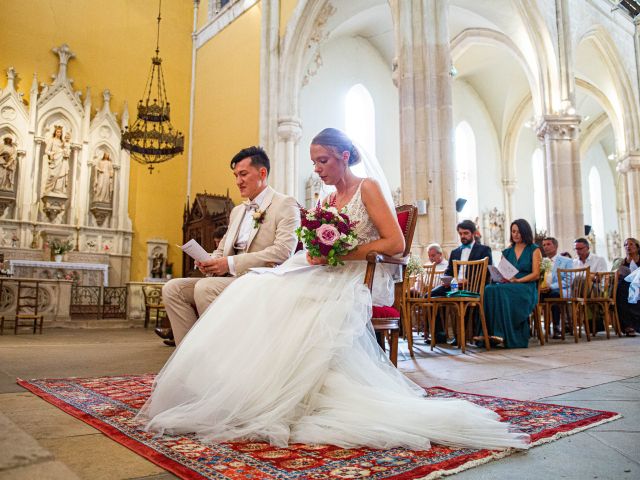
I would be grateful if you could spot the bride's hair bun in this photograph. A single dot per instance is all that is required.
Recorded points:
(339, 141)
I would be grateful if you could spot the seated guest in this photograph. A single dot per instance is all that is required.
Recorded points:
(628, 313)
(468, 250)
(218, 235)
(586, 258)
(550, 247)
(434, 252)
(508, 305)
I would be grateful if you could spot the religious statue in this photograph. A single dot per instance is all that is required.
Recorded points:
(495, 225)
(156, 265)
(57, 152)
(8, 155)
(103, 180)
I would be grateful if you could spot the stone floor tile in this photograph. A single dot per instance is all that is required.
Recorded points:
(626, 443)
(17, 448)
(97, 457)
(512, 389)
(49, 422)
(578, 457)
(566, 376)
(40, 471)
(607, 392)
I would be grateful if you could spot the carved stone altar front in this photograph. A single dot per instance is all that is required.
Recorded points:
(63, 174)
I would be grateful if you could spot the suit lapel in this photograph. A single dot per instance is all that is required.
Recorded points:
(268, 198)
(232, 233)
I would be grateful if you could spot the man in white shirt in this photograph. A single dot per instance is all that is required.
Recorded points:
(434, 252)
(550, 248)
(587, 259)
(261, 233)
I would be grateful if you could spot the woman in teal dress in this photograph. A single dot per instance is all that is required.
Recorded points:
(507, 306)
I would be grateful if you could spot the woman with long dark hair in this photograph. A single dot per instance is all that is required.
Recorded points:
(508, 305)
(628, 313)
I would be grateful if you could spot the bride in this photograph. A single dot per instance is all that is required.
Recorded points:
(292, 358)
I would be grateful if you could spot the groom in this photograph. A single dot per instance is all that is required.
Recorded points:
(261, 233)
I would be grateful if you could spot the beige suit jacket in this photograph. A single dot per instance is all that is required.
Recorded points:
(272, 242)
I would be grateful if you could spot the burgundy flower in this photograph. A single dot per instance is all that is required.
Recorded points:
(324, 249)
(343, 227)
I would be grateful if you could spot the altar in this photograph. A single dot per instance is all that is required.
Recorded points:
(83, 274)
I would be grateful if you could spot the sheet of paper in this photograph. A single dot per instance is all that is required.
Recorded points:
(496, 276)
(507, 270)
(195, 251)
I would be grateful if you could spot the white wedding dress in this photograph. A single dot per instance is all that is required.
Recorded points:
(292, 358)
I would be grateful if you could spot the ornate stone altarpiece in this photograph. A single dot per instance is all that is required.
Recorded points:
(62, 173)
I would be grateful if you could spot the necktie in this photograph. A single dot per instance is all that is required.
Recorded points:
(463, 246)
(250, 206)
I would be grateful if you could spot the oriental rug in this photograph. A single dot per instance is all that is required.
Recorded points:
(111, 403)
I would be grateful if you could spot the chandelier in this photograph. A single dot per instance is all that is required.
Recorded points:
(152, 139)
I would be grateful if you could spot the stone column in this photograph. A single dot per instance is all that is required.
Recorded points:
(289, 133)
(559, 134)
(509, 187)
(629, 167)
(426, 117)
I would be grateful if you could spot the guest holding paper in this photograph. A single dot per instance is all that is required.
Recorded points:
(508, 305)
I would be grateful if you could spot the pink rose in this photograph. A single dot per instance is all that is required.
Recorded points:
(327, 234)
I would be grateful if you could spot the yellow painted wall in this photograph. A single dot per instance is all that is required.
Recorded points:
(286, 11)
(227, 104)
(113, 41)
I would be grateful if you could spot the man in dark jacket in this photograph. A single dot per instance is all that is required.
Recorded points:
(468, 250)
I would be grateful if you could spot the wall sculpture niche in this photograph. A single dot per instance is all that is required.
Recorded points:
(63, 173)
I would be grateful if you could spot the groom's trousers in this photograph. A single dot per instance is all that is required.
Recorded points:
(185, 299)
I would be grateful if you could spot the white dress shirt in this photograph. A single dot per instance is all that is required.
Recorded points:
(244, 230)
(594, 262)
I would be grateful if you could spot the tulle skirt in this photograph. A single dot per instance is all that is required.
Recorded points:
(293, 358)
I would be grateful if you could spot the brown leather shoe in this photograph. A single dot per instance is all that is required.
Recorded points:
(170, 343)
(630, 332)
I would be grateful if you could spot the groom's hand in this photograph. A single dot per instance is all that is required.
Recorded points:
(215, 267)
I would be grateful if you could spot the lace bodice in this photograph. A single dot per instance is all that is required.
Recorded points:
(365, 229)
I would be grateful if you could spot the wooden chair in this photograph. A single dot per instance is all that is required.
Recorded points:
(417, 302)
(535, 319)
(386, 320)
(573, 284)
(27, 305)
(475, 274)
(153, 306)
(603, 295)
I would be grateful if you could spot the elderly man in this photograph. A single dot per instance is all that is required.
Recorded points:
(261, 233)
(434, 252)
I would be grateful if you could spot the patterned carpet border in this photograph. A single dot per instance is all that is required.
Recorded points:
(110, 403)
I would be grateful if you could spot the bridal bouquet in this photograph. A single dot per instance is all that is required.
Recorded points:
(327, 232)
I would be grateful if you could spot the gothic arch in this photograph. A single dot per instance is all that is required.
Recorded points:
(494, 38)
(628, 117)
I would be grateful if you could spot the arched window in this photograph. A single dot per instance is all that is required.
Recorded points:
(466, 170)
(597, 215)
(360, 121)
(539, 191)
